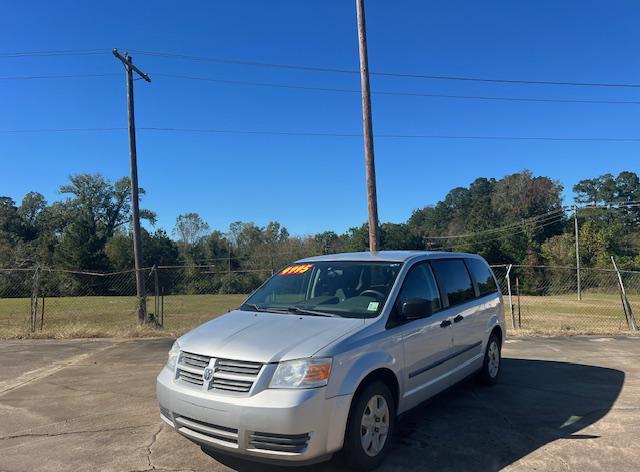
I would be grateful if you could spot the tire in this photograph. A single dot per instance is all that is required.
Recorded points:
(492, 362)
(358, 456)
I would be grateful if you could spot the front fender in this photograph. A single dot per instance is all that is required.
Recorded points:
(352, 369)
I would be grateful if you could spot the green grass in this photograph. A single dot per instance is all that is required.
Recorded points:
(596, 312)
(73, 317)
(81, 317)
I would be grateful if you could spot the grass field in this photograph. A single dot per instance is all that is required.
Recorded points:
(596, 312)
(81, 317)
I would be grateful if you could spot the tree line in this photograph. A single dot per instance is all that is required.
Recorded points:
(519, 219)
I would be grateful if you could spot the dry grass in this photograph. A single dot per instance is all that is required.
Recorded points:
(115, 317)
(596, 313)
(91, 317)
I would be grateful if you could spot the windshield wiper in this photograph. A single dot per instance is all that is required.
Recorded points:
(304, 311)
(286, 310)
(253, 307)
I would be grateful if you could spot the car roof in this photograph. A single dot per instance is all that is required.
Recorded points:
(386, 256)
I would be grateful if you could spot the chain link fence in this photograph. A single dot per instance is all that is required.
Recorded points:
(63, 303)
(551, 298)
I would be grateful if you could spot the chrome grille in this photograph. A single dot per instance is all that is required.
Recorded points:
(190, 377)
(194, 360)
(228, 375)
(231, 385)
(238, 367)
(206, 432)
(234, 376)
(294, 443)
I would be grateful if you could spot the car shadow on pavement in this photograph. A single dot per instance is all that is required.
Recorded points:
(471, 427)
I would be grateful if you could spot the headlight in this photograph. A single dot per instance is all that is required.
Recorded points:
(302, 373)
(174, 353)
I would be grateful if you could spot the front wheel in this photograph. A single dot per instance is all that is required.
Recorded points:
(492, 361)
(370, 427)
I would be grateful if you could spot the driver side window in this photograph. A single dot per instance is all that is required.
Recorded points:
(420, 284)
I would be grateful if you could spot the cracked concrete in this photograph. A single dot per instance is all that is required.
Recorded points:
(150, 446)
(562, 404)
(84, 431)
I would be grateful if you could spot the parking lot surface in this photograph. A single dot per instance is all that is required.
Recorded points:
(562, 404)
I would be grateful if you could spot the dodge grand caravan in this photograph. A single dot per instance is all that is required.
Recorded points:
(328, 352)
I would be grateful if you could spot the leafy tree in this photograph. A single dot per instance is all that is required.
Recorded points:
(190, 229)
(104, 206)
(10, 222)
(398, 236)
(327, 242)
(81, 248)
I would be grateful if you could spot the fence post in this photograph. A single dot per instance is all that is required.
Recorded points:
(626, 306)
(42, 314)
(162, 306)
(519, 310)
(513, 317)
(156, 298)
(578, 281)
(33, 316)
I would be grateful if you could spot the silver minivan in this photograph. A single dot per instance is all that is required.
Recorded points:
(327, 352)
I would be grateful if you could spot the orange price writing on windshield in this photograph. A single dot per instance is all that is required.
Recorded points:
(296, 269)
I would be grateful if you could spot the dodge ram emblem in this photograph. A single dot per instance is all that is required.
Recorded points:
(207, 374)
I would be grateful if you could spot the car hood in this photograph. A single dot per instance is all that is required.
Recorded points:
(266, 337)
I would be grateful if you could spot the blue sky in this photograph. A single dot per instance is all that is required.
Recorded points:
(314, 183)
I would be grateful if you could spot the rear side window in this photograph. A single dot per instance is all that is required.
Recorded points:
(420, 283)
(482, 274)
(454, 280)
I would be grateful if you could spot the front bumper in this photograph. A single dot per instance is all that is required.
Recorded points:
(245, 425)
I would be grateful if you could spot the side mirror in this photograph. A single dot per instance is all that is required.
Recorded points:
(415, 308)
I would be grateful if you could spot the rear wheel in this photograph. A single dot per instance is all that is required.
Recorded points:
(492, 361)
(370, 427)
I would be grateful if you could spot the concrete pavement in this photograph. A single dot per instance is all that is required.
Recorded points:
(562, 404)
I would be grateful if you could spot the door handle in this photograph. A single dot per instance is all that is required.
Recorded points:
(458, 319)
(445, 323)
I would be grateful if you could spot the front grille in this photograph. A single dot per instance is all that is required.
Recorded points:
(238, 367)
(207, 432)
(228, 375)
(194, 360)
(294, 443)
(190, 377)
(231, 385)
(234, 376)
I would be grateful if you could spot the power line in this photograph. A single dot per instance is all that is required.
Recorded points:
(329, 134)
(272, 65)
(66, 76)
(334, 89)
(538, 218)
(167, 55)
(611, 206)
(63, 130)
(389, 136)
(608, 204)
(507, 233)
(543, 220)
(59, 52)
(392, 93)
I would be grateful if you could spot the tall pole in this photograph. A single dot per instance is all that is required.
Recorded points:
(575, 225)
(367, 124)
(133, 163)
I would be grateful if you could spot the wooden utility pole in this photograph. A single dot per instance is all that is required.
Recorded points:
(575, 225)
(367, 124)
(127, 60)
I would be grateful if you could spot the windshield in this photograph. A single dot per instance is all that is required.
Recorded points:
(327, 288)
